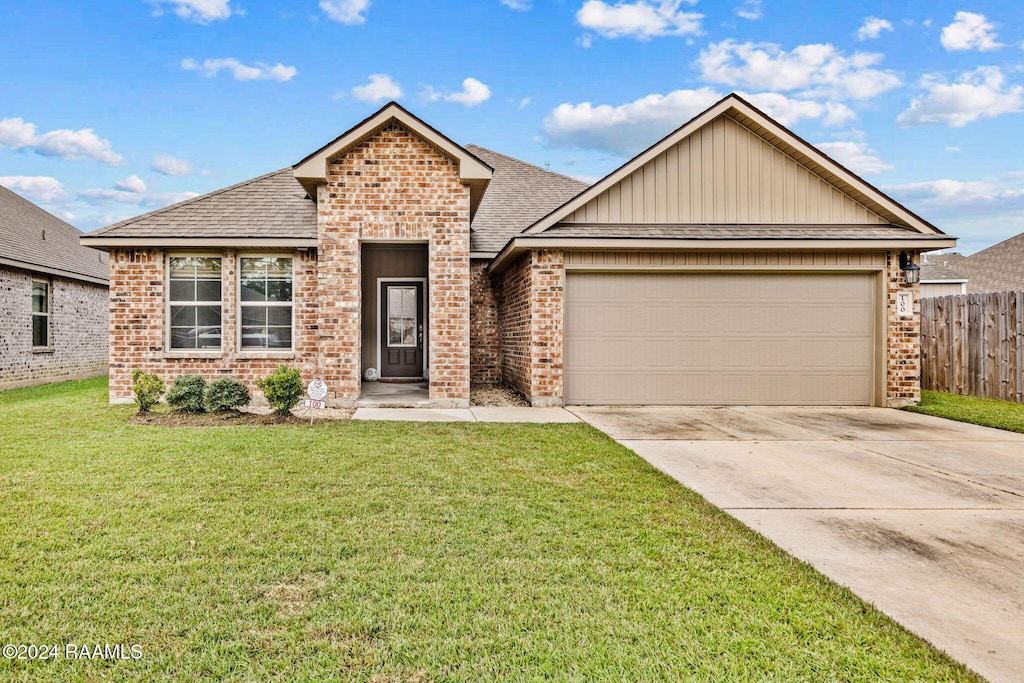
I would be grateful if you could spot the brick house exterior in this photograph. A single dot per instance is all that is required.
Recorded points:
(53, 298)
(396, 253)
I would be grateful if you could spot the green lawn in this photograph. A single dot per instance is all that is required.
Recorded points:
(397, 552)
(981, 411)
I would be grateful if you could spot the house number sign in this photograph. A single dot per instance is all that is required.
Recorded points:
(317, 392)
(905, 305)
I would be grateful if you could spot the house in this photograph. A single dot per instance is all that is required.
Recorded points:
(53, 298)
(730, 263)
(938, 278)
(1000, 268)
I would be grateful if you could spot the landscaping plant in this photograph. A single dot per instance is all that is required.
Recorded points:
(283, 388)
(148, 389)
(186, 394)
(225, 394)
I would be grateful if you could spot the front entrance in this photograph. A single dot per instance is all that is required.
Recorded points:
(401, 329)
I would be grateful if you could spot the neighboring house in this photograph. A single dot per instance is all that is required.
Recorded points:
(938, 278)
(53, 298)
(1000, 268)
(730, 263)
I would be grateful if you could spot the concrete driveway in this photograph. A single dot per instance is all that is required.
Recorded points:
(923, 517)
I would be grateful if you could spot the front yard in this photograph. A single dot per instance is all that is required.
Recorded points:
(397, 552)
(987, 412)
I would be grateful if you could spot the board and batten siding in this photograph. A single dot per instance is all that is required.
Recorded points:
(724, 173)
(869, 260)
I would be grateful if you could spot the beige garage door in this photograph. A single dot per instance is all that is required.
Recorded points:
(719, 338)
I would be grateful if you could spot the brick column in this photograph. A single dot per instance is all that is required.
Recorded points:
(903, 339)
(547, 294)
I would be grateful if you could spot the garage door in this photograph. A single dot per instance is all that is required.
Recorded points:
(719, 338)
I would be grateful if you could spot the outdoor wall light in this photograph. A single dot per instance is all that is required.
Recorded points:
(911, 271)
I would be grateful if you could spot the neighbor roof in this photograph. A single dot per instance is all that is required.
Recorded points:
(1000, 268)
(934, 271)
(34, 239)
(519, 194)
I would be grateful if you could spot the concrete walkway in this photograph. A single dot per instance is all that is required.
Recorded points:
(477, 414)
(923, 517)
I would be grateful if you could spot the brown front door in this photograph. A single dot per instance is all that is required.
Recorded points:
(401, 329)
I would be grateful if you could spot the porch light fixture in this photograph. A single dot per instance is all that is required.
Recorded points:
(911, 271)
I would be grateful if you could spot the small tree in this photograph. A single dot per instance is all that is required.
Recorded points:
(186, 394)
(148, 389)
(283, 388)
(225, 394)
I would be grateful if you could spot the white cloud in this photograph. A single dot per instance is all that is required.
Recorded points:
(628, 128)
(518, 5)
(165, 164)
(641, 20)
(872, 28)
(816, 70)
(198, 11)
(963, 196)
(524, 103)
(132, 183)
(981, 93)
(473, 93)
(241, 72)
(132, 190)
(36, 188)
(752, 10)
(379, 88)
(346, 11)
(18, 134)
(855, 156)
(970, 31)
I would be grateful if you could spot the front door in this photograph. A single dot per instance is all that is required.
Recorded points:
(401, 329)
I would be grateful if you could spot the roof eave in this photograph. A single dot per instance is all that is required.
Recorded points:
(60, 272)
(107, 243)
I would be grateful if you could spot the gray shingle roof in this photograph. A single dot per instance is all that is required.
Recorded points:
(272, 205)
(935, 268)
(519, 195)
(703, 231)
(999, 268)
(22, 227)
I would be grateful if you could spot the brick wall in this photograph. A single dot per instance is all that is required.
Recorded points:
(395, 186)
(903, 365)
(530, 305)
(78, 330)
(138, 332)
(484, 336)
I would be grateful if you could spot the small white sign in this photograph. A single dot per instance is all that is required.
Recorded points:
(317, 390)
(312, 403)
(905, 304)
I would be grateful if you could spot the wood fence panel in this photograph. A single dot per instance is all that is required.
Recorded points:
(974, 344)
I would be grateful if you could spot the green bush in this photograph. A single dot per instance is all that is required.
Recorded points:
(226, 393)
(186, 394)
(148, 389)
(283, 388)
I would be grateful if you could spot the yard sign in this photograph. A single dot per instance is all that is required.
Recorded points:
(317, 392)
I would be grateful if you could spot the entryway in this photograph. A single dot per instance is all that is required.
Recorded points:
(395, 320)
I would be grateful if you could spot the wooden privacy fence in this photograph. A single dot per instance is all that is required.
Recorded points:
(973, 344)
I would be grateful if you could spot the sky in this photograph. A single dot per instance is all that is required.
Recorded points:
(109, 109)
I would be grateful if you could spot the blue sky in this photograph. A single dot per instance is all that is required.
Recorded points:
(110, 109)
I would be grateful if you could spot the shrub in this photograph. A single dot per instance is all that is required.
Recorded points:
(225, 394)
(283, 388)
(148, 389)
(186, 394)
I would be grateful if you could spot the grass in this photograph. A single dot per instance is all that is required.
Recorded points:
(980, 411)
(397, 552)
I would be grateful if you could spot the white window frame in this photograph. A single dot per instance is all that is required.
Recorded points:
(46, 314)
(167, 302)
(239, 303)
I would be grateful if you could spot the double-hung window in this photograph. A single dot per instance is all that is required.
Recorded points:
(40, 313)
(266, 302)
(195, 302)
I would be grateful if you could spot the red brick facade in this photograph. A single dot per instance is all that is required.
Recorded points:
(394, 187)
(903, 359)
(138, 329)
(484, 335)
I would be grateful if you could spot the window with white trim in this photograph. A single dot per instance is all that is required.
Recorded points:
(265, 287)
(40, 313)
(194, 300)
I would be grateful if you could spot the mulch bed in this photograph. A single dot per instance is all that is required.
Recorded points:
(226, 419)
(494, 395)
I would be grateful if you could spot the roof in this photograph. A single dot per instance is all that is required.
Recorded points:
(312, 170)
(732, 231)
(936, 269)
(519, 194)
(1000, 268)
(749, 116)
(35, 239)
(272, 205)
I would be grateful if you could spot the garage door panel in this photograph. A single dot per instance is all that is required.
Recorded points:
(719, 338)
